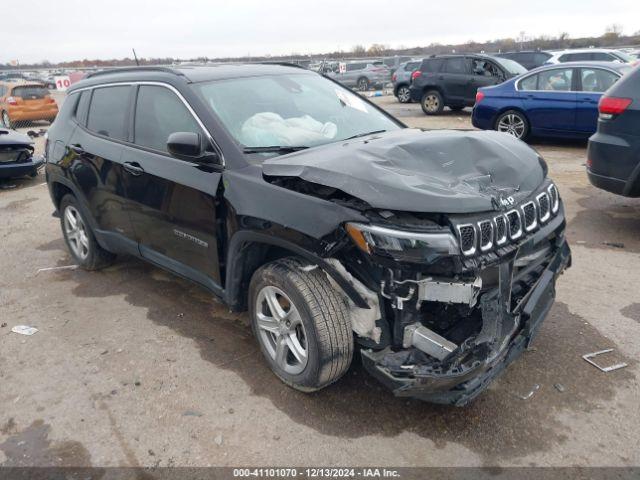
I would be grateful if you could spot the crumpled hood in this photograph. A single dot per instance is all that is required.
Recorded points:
(11, 137)
(411, 170)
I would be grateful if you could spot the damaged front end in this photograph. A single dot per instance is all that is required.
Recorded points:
(16, 155)
(459, 296)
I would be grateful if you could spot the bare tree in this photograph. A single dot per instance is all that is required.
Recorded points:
(358, 50)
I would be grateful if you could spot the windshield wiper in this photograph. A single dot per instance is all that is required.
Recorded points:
(364, 134)
(274, 149)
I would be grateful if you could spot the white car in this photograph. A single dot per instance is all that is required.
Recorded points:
(590, 54)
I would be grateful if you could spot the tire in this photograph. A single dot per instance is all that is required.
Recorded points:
(363, 84)
(432, 103)
(457, 108)
(319, 352)
(6, 121)
(83, 246)
(403, 94)
(514, 123)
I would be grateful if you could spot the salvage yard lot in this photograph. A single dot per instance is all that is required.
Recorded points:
(132, 366)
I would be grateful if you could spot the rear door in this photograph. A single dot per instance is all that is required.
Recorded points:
(95, 156)
(454, 78)
(173, 201)
(484, 74)
(550, 100)
(593, 82)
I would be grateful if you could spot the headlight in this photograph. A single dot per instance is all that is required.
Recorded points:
(401, 245)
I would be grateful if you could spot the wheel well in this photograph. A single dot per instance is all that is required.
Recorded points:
(58, 191)
(250, 257)
(494, 123)
(432, 87)
(398, 86)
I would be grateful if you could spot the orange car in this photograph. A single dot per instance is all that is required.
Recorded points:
(23, 101)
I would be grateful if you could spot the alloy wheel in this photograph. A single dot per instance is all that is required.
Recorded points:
(281, 330)
(432, 103)
(404, 95)
(512, 124)
(76, 232)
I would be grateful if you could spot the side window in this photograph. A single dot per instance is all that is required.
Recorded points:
(557, 80)
(603, 57)
(108, 111)
(485, 68)
(542, 57)
(432, 65)
(82, 107)
(411, 66)
(456, 65)
(597, 80)
(159, 113)
(355, 66)
(529, 83)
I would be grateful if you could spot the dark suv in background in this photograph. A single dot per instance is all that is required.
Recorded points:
(453, 80)
(613, 156)
(528, 59)
(432, 254)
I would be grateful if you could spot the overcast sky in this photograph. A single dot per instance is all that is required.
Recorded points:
(74, 29)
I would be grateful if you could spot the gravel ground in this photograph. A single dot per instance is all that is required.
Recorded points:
(134, 367)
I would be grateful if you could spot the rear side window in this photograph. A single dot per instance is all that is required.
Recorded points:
(456, 65)
(411, 66)
(355, 66)
(108, 111)
(83, 106)
(575, 57)
(159, 113)
(604, 57)
(30, 93)
(432, 65)
(529, 83)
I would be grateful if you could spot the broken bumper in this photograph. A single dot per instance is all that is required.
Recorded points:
(20, 169)
(459, 388)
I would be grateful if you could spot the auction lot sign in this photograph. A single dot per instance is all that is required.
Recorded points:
(62, 82)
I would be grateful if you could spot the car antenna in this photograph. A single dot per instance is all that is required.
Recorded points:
(135, 57)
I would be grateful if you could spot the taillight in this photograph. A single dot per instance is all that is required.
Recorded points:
(610, 106)
(479, 97)
(12, 101)
(50, 100)
(416, 74)
(394, 77)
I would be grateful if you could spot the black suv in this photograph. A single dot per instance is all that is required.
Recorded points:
(453, 80)
(432, 254)
(613, 156)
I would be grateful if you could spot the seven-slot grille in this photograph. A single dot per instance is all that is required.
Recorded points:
(467, 239)
(486, 234)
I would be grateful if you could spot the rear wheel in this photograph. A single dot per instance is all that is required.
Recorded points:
(432, 103)
(514, 123)
(6, 121)
(404, 94)
(80, 239)
(302, 324)
(363, 84)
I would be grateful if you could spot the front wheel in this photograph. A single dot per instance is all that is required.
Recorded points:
(432, 103)
(302, 324)
(514, 123)
(404, 94)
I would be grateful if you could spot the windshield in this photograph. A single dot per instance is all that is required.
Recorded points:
(511, 66)
(298, 110)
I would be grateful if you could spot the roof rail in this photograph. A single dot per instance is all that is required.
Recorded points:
(283, 64)
(134, 69)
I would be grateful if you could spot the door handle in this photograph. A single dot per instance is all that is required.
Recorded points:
(76, 148)
(133, 168)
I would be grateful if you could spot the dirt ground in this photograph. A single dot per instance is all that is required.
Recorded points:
(134, 367)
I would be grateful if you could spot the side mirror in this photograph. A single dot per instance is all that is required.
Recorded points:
(184, 144)
(188, 146)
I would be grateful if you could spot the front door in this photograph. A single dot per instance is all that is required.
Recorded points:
(173, 201)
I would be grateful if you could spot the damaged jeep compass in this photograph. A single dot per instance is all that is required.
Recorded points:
(432, 254)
